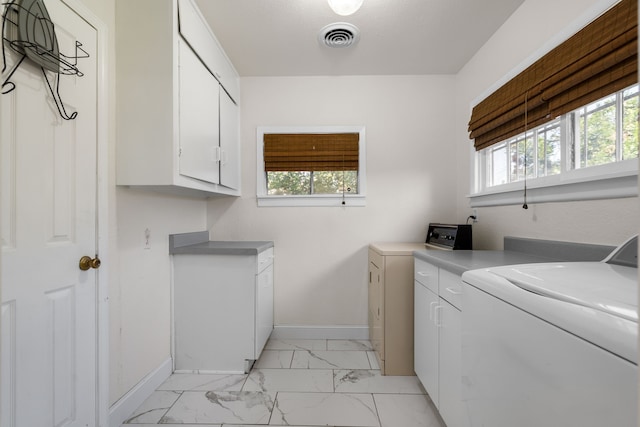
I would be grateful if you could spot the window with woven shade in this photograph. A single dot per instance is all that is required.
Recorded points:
(599, 60)
(311, 166)
(566, 127)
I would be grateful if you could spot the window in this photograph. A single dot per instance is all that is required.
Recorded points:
(511, 160)
(578, 106)
(608, 130)
(595, 142)
(311, 166)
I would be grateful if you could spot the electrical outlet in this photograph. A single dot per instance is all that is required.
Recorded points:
(475, 214)
(147, 239)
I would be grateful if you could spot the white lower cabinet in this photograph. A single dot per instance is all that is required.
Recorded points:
(223, 310)
(437, 339)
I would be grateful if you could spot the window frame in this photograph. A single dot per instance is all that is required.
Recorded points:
(335, 200)
(610, 181)
(617, 179)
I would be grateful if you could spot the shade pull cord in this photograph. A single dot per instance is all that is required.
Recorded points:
(343, 200)
(524, 205)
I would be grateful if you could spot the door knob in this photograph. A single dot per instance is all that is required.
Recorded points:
(86, 262)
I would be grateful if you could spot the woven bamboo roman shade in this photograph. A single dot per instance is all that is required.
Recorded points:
(599, 60)
(311, 152)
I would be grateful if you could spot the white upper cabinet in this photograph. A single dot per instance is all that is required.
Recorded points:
(196, 32)
(177, 101)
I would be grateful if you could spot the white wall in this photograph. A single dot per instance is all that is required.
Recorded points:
(535, 28)
(321, 253)
(140, 298)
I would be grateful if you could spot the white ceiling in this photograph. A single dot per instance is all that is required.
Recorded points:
(398, 37)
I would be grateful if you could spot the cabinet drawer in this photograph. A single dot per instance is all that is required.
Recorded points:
(426, 274)
(451, 288)
(265, 259)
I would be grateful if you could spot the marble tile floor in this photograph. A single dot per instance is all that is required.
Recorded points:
(298, 383)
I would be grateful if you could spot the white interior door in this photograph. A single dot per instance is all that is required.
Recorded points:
(48, 197)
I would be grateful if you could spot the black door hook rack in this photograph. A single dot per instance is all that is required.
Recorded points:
(28, 31)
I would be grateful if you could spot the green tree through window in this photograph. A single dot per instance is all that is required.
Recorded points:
(317, 182)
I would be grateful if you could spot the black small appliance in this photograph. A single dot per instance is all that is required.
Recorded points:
(449, 236)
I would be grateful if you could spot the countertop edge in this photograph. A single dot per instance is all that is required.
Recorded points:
(458, 262)
(223, 248)
(517, 251)
(396, 248)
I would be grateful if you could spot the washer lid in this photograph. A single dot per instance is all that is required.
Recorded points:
(595, 301)
(608, 288)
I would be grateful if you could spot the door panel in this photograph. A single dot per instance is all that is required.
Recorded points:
(48, 198)
(8, 363)
(60, 311)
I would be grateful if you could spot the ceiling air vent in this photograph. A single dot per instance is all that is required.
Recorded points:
(340, 34)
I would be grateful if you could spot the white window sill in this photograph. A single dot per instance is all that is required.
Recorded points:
(317, 200)
(584, 184)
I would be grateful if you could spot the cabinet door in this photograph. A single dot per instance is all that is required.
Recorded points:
(229, 143)
(264, 309)
(214, 290)
(199, 119)
(376, 332)
(194, 28)
(450, 398)
(426, 313)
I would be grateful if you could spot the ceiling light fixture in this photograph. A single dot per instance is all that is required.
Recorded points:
(345, 7)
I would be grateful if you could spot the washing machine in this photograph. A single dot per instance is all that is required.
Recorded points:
(552, 344)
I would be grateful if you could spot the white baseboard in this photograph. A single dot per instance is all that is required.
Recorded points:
(333, 332)
(124, 407)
